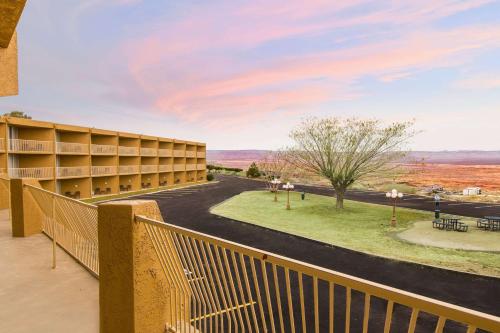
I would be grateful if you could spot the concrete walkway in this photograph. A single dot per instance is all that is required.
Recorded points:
(36, 298)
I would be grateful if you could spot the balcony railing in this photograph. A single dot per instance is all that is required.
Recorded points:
(179, 153)
(70, 172)
(149, 168)
(201, 154)
(129, 169)
(30, 146)
(190, 153)
(165, 152)
(103, 170)
(128, 151)
(3, 171)
(190, 167)
(179, 167)
(38, 173)
(72, 148)
(148, 151)
(165, 168)
(2, 144)
(266, 292)
(103, 149)
(201, 166)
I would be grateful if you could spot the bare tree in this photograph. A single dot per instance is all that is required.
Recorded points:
(274, 165)
(347, 150)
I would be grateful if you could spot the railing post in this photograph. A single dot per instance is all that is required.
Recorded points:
(54, 242)
(26, 216)
(133, 290)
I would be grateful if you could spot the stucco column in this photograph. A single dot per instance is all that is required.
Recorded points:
(133, 290)
(26, 216)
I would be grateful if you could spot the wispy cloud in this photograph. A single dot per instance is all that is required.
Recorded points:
(482, 81)
(221, 66)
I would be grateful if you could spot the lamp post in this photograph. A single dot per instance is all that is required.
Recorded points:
(437, 210)
(394, 195)
(275, 185)
(288, 187)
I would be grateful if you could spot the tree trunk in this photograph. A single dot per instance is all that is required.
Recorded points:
(339, 193)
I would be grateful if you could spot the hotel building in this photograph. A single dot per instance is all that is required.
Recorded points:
(83, 162)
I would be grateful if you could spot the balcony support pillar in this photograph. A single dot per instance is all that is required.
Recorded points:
(133, 290)
(26, 215)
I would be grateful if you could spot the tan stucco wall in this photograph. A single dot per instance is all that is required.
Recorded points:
(4, 195)
(105, 182)
(8, 69)
(73, 185)
(74, 137)
(134, 180)
(151, 178)
(26, 214)
(133, 289)
(45, 131)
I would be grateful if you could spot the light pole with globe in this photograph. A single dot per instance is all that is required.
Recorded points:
(275, 185)
(394, 195)
(288, 187)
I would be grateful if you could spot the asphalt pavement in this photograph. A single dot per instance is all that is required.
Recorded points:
(189, 207)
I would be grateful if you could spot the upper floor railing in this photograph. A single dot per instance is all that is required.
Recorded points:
(72, 148)
(190, 167)
(103, 149)
(129, 169)
(72, 172)
(222, 286)
(128, 151)
(165, 152)
(215, 285)
(30, 146)
(179, 153)
(190, 153)
(201, 166)
(165, 168)
(71, 224)
(201, 154)
(2, 145)
(148, 151)
(103, 170)
(37, 173)
(149, 168)
(179, 167)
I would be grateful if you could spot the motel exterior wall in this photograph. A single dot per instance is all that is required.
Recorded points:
(84, 162)
(10, 13)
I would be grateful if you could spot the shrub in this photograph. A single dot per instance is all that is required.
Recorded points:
(253, 171)
(210, 177)
(222, 168)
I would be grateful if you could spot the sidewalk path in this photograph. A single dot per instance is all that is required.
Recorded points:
(36, 298)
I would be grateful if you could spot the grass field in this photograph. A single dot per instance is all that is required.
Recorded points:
(360, 226)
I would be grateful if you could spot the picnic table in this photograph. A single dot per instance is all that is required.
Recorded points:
(450, 223)
(491, 223)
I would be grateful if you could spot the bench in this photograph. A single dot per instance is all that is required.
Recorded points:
(438, 224)
(483, 223)
(450, 223)
(462, 227)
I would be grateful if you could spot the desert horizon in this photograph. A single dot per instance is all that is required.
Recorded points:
(454, 170)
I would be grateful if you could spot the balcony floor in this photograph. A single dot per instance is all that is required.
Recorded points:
(36, 298)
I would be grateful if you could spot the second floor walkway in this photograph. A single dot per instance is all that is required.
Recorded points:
(35, 297)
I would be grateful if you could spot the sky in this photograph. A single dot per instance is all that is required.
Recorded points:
(242, 74)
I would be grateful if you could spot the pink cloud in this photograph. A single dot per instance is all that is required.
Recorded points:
(186, 69)
(483, 81)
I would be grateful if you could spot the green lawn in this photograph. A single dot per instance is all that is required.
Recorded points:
(360, 226)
